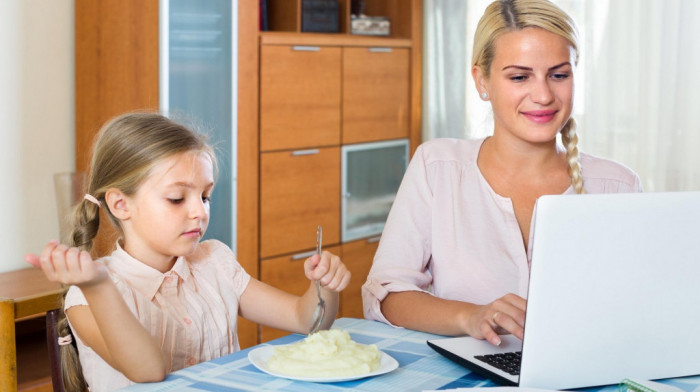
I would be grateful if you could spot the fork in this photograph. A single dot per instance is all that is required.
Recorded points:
(320, 310)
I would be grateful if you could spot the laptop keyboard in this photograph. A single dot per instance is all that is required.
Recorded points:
(508, 362)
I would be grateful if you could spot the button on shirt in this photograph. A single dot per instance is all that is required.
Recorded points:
(191, 310)
(450, 234)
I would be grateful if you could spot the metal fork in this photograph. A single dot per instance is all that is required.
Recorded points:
(320, 310)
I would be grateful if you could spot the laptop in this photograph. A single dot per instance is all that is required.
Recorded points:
(614, 293)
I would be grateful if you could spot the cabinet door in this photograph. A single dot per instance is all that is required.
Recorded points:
(299, 190)
(299, 97)
(287, 274)
(375, 94)
(357, 256)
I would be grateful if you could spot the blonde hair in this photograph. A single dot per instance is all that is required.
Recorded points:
(126, 149)
(503, 16)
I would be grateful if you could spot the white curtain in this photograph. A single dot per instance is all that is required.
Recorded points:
(643, 87)
(637, 83)
(444, 65)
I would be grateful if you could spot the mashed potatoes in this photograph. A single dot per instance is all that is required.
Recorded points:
(325, 354)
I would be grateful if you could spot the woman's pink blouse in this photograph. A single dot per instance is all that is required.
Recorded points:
(449, 233)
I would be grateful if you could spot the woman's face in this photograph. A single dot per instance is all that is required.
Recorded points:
(530, 86)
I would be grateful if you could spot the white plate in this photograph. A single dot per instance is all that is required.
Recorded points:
(261, 355)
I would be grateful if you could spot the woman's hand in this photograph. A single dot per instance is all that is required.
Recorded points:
(504, 315)
(329, 269)
(69, 266)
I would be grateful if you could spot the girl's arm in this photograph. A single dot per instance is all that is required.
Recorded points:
(264, 304)
(424, 312)
(106, 324)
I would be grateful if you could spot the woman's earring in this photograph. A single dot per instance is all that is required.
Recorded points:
(484, 96)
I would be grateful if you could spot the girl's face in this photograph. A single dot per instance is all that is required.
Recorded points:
(530, 85)
(169, 213)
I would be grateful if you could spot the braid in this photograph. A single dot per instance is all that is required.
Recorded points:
(86, 221)
(71, 371)
(569, 138)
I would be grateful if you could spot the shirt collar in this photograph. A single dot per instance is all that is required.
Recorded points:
(143, 278)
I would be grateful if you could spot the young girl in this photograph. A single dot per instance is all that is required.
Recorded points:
(162, 300)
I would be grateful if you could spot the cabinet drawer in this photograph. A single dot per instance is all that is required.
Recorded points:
(299, 97)
(287, 274)
(375, 94)
(357, 256)
(299, 190)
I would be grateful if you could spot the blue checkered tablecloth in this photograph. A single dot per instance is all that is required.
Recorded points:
(420, 368)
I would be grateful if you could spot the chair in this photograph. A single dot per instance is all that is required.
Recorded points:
(52, 317)
(8, 360)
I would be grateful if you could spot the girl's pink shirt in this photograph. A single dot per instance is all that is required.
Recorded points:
(191, 310)
(450, 234)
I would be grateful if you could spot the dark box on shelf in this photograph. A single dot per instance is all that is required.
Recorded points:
(319, 16)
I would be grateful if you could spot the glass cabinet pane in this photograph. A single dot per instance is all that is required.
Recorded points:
(371, 175)
(197, 72)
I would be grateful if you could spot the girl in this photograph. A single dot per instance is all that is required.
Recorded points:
(162, 300)
(454, 254)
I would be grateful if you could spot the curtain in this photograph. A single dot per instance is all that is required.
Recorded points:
(642, 85)
(637, 83)
(444, 68)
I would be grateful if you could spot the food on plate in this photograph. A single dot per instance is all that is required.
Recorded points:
(330, 353)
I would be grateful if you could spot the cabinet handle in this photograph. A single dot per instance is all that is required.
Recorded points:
(304, 255)
(298, 153)
(373, 239)
(301, 48)
(379, 50)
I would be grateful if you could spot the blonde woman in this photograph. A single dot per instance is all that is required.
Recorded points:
(454, 255)
(164, 299)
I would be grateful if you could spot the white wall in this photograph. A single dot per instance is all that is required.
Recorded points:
(36, 121)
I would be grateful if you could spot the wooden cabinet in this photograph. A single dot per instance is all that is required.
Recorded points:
(299, 190)
(287, 273)
(357, 256)
(302, 93)
(376, 88)
(299, 96)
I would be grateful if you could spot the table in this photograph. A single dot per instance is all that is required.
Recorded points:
(420, 368)
(23, 293)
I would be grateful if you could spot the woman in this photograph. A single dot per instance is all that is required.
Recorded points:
(454, 255)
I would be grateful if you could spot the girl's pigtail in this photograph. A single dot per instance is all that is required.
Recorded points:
(570, 140)
(71, 371)
(86, 221)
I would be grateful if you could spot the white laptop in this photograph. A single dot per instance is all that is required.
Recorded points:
(614, 293)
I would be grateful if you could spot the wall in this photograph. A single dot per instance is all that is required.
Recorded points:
(36, 121)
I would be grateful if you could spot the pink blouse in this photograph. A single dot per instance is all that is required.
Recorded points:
(191, 310)
(449, 233)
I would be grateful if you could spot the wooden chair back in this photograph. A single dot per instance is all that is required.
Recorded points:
(52, 317)
(8, 357)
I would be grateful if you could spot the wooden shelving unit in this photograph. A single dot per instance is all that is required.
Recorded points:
(302, 97)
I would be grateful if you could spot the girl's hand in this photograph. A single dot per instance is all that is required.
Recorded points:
(327, 268)
(504, 315)
(69, 266)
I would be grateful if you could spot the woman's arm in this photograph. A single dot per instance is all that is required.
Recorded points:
(106, 324)
(424, 312)
(262, 303)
